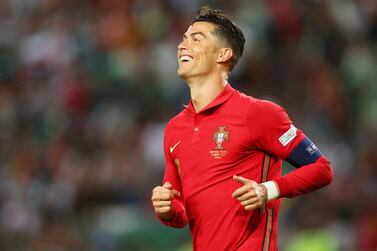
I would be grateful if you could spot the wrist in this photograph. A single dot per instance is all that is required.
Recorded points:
(272, 190)
(166, 216)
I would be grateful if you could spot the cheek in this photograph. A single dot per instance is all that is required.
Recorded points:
(204, 57)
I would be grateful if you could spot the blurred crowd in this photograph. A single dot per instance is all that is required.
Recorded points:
(86, 87)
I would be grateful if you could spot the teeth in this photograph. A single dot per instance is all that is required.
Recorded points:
(184, 58)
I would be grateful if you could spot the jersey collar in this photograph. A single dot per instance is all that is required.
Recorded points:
(220, 99)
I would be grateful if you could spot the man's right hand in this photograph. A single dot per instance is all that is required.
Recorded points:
(162, 197)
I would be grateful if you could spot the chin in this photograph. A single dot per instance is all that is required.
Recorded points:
(182, 74)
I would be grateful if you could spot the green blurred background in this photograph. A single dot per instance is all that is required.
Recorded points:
(86, 87)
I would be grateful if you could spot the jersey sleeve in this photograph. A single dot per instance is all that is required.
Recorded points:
(271, 129)
(273, 132)
(171, 175)
(305, 179)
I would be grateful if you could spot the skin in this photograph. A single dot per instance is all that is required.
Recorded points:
(206, 75)
(251, 195)
(162, 197)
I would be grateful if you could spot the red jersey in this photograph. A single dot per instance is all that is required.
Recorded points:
(234, 135)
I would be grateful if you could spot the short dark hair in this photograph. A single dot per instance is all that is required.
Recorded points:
(225, 29)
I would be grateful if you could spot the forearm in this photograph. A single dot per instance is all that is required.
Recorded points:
(305, 179)
(302, 180)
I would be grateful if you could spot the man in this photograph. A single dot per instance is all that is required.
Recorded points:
(224, 150)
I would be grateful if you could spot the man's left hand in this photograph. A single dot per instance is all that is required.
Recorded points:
(251, 195)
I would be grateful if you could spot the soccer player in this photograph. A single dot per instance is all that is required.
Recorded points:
(224, 151)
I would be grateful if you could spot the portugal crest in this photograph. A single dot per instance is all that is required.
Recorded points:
(220, 136)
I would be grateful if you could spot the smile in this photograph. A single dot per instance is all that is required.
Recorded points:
(185, 58)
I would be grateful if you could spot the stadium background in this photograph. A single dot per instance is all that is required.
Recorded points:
(86, 87)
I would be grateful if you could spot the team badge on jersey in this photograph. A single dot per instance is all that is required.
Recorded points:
(220, 135)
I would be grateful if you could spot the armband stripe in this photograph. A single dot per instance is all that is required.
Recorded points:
(306, 152)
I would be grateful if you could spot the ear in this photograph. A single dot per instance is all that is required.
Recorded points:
(224, 55)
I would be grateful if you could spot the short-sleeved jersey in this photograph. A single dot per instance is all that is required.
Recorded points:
(234, 135)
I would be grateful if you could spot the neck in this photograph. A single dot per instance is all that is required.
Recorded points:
(204, 91)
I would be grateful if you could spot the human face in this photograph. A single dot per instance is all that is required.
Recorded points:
(198, 51)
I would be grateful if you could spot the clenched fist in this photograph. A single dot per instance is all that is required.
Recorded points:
(251, 195)
(162, 197)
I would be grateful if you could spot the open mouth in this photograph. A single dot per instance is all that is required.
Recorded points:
(185, 58)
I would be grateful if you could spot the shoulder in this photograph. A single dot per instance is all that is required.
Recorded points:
(241, 99)
(178, 119)
(255, 107)
(259, 104)
(266, 106)
(266, 113)
(176, 122)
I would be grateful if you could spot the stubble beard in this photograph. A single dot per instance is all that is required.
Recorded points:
(183, 74)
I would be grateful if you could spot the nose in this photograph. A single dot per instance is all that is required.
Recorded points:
(182, 45)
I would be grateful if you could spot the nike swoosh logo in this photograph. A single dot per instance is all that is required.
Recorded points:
(173, 147)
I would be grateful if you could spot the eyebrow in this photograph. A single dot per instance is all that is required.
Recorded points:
(194, 34)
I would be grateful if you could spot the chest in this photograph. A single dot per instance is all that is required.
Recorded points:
(210, 141)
